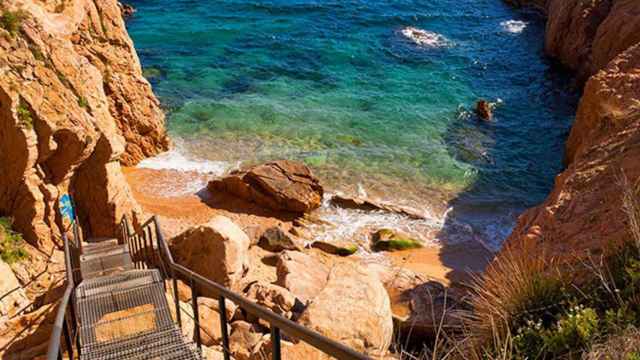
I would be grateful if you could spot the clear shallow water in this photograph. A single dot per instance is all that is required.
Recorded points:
(338, 85)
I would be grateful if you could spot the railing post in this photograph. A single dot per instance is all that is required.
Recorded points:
(196, 314)
(176, 301)
(67, 338)
(275, 342)
(222, 307)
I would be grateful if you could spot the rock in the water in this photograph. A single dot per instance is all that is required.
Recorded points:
(336, 247)
(280, 185)
(353, 308)
(361, 203)
(277, 239)
(484, 110)
(216, 250)
(273, 297)
(301, 274)
(390, 240)
(127, 10)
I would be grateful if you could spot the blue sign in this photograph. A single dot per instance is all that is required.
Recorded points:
(66, 208)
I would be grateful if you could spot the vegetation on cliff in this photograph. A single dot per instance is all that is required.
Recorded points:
(11, 242)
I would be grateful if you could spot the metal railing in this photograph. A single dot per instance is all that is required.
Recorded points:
(149, 249)
(65, 321)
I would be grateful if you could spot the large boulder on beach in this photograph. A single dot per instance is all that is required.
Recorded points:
(353, 308)
(279, 185)
(301, 274)
(216, 250)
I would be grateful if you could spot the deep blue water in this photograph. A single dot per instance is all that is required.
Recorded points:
(337, 85)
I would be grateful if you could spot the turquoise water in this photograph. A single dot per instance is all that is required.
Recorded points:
(337, 85)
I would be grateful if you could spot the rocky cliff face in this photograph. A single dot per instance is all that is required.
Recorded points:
(73, 107)
(584, 209)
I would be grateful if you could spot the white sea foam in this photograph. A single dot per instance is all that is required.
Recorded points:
(513, 26)
(425, 38)
(174, 159)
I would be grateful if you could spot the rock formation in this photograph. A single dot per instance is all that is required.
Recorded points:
(216, 250)
(73, 107)
(280, 185)
(586, 35)
(584, 209)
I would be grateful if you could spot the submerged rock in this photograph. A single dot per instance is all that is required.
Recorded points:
(361, 203)
(390, 240)
(216, 250)
(280, 185)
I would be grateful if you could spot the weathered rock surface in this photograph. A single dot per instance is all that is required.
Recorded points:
(584, 209)
(73, 106)
(277, 239)
(216, 250)
(340, 248)
(12, 295)
(273, 297)
(301, 274)
(586, 35)
(280, 185)
(366, 204)
(354, 308)
(244, 339)
(390, 240)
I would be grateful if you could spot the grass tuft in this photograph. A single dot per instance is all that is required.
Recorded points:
(24, 116)
(11, 242)
(11, 21)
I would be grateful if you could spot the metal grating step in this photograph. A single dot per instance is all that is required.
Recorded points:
(179, 351)
(98, 245)
(117, 282)
(141, 342)
(105, 265)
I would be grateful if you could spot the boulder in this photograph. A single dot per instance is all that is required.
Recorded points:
(127, 10)
(12, 295)
(244, 339)
(273, 297)
(280, 185)
(216, 250)
(341, 248)
(301, 274)
(277, 239)
(484, 110)
(390, 240)
(353, 308)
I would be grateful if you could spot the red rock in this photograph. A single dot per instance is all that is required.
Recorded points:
(279, 185)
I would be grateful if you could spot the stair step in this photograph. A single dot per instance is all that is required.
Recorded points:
(118, 282)
(140, 342)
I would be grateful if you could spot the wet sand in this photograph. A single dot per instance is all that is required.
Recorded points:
(156, 191)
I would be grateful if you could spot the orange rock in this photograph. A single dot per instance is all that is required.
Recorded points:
(73, 106)
(279, 185)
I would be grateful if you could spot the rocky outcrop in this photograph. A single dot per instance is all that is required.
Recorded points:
(280, 185)
(73, 107)
(353, 308)
(301, 274)
(216, 250)
(13, 298)
(584, 210)
(586, 35)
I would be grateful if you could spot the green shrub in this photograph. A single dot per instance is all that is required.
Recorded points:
(12, 20)
(24, 116)
(83, 102)
(11, 249)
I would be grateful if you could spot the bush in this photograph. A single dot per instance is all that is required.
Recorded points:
(83, 102)
(24, 116)
(12, 20)
(11, 249)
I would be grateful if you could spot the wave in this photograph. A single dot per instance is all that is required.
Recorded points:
(514, 26)
(174, 159)
(425, 38)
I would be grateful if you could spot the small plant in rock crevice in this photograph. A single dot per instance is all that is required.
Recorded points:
(11, 249)
(24, 116)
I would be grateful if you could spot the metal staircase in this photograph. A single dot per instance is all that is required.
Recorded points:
(116, 304)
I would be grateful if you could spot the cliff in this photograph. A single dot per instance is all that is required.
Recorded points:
(599, 40)
(73, 107)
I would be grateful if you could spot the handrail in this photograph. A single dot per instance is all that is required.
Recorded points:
(53, 350)
(277, 322)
